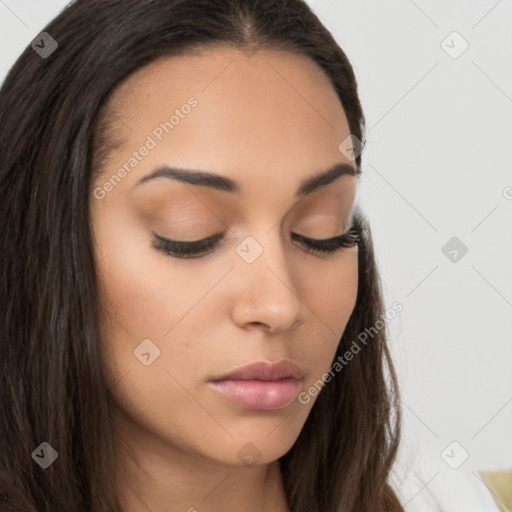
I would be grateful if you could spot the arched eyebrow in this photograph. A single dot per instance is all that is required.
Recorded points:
(218, 182)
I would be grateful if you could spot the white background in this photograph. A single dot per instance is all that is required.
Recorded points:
(437, 162)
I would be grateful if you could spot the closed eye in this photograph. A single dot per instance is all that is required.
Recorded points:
(199, 248)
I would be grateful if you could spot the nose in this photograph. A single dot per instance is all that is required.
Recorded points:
(269, 289)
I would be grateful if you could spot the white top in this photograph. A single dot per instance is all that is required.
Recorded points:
(432, 480)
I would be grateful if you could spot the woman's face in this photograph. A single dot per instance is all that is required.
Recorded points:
(170, 325)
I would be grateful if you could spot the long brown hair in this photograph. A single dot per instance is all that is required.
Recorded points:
(51, 384)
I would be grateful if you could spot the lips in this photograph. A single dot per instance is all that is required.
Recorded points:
(261, 385)
(264, 370)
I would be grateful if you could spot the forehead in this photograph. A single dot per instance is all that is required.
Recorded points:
(271, 115)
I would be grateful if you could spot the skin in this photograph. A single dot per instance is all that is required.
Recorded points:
(267, 120)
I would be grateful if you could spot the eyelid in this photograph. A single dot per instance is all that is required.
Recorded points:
(188, 242)
(194, 245)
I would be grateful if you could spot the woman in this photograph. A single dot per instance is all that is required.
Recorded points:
(192, 310)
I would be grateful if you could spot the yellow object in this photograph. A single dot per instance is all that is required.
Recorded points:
(499, 484)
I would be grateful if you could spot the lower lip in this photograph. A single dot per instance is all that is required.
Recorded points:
(259, 394)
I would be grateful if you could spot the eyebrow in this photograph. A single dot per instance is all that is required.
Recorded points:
(215, 181)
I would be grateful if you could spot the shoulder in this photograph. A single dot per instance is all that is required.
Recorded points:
(425, 482)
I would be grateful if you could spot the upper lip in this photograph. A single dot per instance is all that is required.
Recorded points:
(264, 370)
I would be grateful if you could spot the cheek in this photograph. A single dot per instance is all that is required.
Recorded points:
(331, 297)
(332, 289)
(141, 302)
(135, 303)
(145, 295)
(132, 292)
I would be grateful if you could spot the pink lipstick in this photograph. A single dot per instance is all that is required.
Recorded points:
(261, 385)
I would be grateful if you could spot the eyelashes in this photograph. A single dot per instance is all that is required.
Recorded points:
(202, 247)
(185, 249)
(330, 245)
